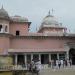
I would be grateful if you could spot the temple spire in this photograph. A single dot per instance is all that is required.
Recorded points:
(50, 12)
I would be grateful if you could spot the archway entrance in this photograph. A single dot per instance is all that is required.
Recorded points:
(72, 55)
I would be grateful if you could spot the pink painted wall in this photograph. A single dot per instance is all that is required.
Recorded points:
(22, 43)
(37, 43)
(22, 27)
(4, 44)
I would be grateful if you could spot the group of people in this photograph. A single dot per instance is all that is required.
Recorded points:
(34, 66)
(60, 63)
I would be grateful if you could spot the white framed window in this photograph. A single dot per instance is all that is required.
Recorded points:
(6, 29)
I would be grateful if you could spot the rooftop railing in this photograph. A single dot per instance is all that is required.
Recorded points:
(12, 67)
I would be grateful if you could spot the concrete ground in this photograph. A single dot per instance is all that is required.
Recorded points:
(57, 72)
(65, 71)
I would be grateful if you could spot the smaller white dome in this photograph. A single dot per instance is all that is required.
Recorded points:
(50, 20)
(3, 13)
(19, 19)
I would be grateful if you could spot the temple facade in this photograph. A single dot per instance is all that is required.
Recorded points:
(19, 46)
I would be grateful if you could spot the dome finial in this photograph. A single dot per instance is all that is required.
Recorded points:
(52, 11)
(2, 6)
(49, 12)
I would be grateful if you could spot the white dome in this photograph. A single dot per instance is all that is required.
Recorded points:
(19, 19)
(3, 13)
(50, 20)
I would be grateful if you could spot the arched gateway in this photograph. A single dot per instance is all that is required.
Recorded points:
(72, 55)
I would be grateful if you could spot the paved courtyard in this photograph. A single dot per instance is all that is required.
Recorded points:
(66, 71)
(57, 72)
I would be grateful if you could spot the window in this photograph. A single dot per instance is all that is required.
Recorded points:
(17, 32)
(0, 27)
(5, 28)
(53, 56)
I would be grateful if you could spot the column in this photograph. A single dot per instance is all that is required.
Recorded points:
(58, 56)
(40, 57)
(49, 57)
(25, 59)
(66, 46)
(67, 55)
(31, 57)
(16, 59)
(50, 63)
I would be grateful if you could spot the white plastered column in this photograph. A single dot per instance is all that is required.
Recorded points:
(58, 56)
(25, 59)
(31, 57)
(40, 57)
(49, 57)
(67, 51)
(67, 55)
(16, 59)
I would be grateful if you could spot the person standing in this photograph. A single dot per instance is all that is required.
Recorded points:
(59, 63)
(62, 63)
(70, 62)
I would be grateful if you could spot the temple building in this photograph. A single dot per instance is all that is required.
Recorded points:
(19, 46)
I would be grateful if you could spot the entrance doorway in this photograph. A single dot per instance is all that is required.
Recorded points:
(72, 55)
(44, 58)
(20, 60)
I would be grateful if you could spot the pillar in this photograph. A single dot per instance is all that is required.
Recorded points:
(66, 47)
(25, 59)
(16, 59)
(40, 57)
(31, 57)
(67, 54)
(58, 56)
(67, 57)
(49, 57)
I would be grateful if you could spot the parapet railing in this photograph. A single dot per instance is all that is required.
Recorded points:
(12, 67)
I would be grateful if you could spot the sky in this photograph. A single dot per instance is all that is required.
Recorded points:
(36, 10)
